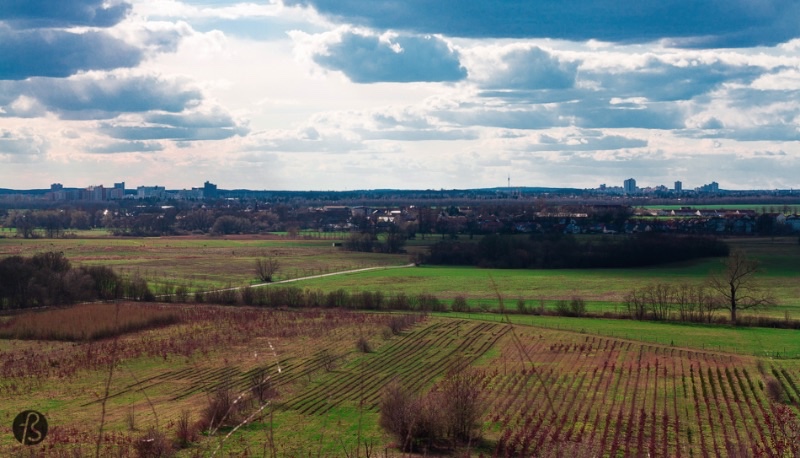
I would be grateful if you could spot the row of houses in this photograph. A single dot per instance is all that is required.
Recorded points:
(472, 220)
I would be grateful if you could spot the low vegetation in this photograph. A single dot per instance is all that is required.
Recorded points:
(87, 322)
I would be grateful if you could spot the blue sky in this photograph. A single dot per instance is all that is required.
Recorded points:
(412, 94)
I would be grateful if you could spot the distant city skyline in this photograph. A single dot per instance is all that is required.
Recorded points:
(339, 95)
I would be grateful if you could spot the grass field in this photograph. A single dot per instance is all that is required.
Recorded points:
(603, 289)
(544, 389)
(748, 341)
(771, 208)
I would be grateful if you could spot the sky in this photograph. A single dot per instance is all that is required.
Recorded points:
(403, 94)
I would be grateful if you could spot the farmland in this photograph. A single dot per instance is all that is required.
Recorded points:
(544, 389)
(310, 381)
(202, 263)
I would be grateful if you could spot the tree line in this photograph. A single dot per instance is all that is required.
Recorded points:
(564, 251)
(47, 279)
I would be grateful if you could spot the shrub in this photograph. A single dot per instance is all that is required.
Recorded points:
(186, 432)
(521, 306)
(448, 416)
(562, 308)
(396, 412)
(223, 409)
(459, 304)
(462, 405)
(429, 303)
(399, 302)
(398, 323)
(363, 345)
(774, 389)
(577, 307)
(153, 444)
(261, 387)
(182, 294)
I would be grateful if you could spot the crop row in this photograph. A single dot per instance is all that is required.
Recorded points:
(415, 360)
(625, 399)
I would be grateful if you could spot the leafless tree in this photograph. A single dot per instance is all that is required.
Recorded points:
(266, 268)
(737, 284)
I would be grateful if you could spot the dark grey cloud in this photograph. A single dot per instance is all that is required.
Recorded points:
(532, 69)
(100, 98)
(690, 23)
(366, 59)
(126, 147)
(56, 53)
(62, 13)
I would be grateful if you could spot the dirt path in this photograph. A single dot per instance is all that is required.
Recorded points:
(328, 275)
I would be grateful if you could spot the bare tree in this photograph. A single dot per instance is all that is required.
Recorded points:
(266, 268)
(737, 285)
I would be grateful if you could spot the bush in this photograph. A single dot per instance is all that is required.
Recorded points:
(153, 444)
(774, 390)
(444, 417)
(221, 410)
(459, 304)
(429, 303)
(562, 308)
(186, 432)
(577, 307)
(363, 345)
(398, 323)
(522, 307)
(399, 302)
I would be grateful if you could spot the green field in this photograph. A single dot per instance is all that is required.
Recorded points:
(770, 208)
(602, 289)
(752, 341)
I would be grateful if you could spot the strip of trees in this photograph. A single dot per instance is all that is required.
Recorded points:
(733, 288)
(560, 251)
(47, 279)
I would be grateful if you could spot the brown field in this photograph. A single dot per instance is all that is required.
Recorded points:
(546, 392)
(86, 322)
(203, 263)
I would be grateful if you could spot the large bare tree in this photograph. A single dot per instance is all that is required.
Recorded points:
(266, 268)
(738, 286)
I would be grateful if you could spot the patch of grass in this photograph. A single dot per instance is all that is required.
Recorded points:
(740, 340)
